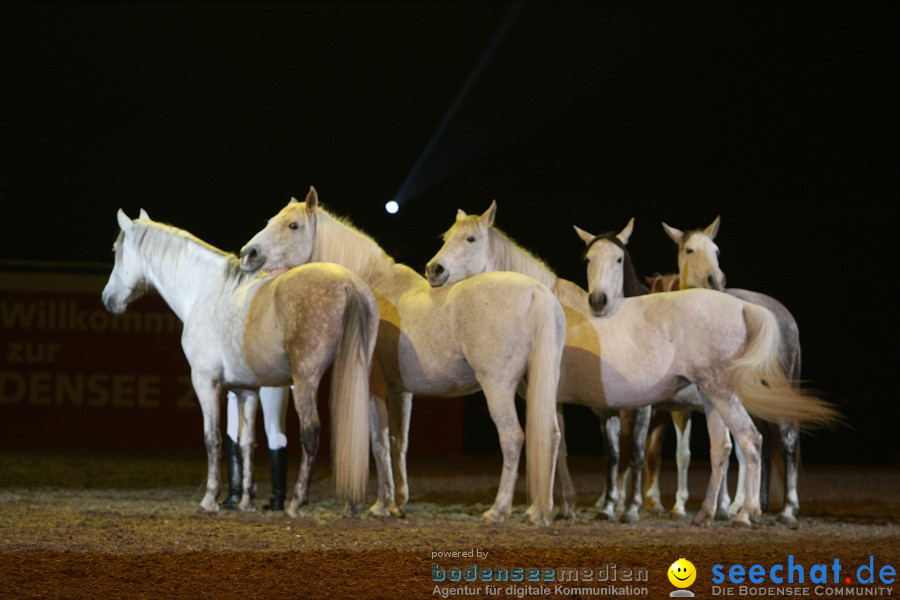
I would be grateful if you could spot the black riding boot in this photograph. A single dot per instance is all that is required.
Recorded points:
(278, 468)
(235, 475)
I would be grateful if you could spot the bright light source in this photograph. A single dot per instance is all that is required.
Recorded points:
(392, 207)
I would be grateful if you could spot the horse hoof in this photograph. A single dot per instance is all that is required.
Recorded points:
(629, 517)
(678, 514)
(788, 520)
(741, 521)
(397, 511)
(654, 509)
(379, 510)
(539, 521)
(491, 517)
(565, 515)
(702, 520)
(351, 511)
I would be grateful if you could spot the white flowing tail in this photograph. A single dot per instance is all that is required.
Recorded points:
(541, 427)
(350, 396)
(758, 379)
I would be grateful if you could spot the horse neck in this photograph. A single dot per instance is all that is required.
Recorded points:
(338, 242)
(507, 256)
(571, 295)
(179, 266)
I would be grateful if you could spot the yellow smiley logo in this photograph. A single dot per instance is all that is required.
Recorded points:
(682, 573)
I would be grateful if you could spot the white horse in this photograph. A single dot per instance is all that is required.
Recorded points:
(242, 332)
(616, 279)
(485, 333)
(609, 258)
(698, 267)
(580, 365)
(652, 346)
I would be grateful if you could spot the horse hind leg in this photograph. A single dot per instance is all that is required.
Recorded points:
(381, 454)
(719, 451)
(399, 413)
(564, 478)
(746, 435)
(307, 411)
(501, 405)
(789, 439)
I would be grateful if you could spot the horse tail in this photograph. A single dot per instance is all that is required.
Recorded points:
(541, 427)
(350, 395)
(758, 378)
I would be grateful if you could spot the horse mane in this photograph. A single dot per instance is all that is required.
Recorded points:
(338, 240)
(167, 245)
(507, 255)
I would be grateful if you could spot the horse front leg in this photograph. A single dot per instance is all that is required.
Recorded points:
(305, 405)
(208, 394)
(379, 435)
(640, 424)
(399, 414)
(609, 428)
(659, 422)
(682, 423)
(247, 403)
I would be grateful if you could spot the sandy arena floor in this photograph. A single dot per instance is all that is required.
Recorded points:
(88, 526)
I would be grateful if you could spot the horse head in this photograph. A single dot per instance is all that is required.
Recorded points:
(698, 257)
(606, 257)
(287, 239)
(127, 282)
(466, 250)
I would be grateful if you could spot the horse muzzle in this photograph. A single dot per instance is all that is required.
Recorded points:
(599, 303)
(436, 273)
(252, 259)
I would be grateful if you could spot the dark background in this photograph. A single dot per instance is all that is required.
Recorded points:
(781, 119)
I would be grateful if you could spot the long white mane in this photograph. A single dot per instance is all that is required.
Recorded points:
(507, 255)
(166, 249)
(337, 240)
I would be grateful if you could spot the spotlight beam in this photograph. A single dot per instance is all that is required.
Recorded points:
(508, 19)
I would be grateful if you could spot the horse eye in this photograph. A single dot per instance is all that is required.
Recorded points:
(689, 251)
(470, 239)
(619, 260)
(294, 225)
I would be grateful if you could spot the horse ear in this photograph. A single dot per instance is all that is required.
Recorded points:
(144, 215)
(675, 234)
(487, 219)
(713, 228)
(293, 201)
(312, 200)
(125, 224)
(584, 235)
(626, 232)
(460, 214)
